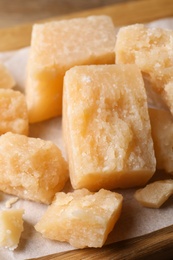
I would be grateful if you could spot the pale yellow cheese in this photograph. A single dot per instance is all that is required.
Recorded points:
(11, 227)
(162, 134)
(82, 218)
(164, 82)
(31, 168)
(155, 194)
(106, 127)
(57, 46)
(6, 79)
(13, 112)
(152, 50)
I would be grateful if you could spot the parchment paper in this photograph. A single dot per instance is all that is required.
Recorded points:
(135, 220)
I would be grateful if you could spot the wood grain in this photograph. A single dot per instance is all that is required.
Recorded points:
(18, 11)
(122, 14)
(157, 245)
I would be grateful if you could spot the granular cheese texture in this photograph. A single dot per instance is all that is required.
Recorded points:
(106, 127)
(31, 168)
(11, 227)
(155, 194)
(57, 46)
(151, 49)
(13, 112)
(162, 134)
(6, 79)
(82, 218)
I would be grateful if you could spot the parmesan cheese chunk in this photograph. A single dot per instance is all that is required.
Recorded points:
(13, 112)
(151, 49)
(6, 79)
(81, 218)
(56, 47)
(155, 194)
(11, 227)
(106, 127)
(162, 134)
(31, 168)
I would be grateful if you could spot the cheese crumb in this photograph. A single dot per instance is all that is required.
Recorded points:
(10, 202)
(11, 227)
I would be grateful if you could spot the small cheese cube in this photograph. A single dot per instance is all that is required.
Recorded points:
(31, 168)
(56, 47)
(152, 50)
(81, 218)
(13, 112)
(106, 127)
(11, 227)
(162, 134)
(6, 79)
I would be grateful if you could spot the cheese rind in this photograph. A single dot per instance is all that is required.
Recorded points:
(11, 227)
(81, 218)
(151, 49)
(13, 112)
(31, 168)
(106, 127)
(56, 47)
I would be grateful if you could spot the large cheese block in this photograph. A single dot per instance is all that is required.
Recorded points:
(152, 50)
(162, 134)
(106, 127)
(31, 168)
(56, 47)
(82, 218)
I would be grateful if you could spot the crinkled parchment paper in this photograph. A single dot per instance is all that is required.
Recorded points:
(134, 221)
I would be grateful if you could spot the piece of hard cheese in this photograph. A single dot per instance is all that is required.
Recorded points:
(13, 112)
(155, 194)
(82, 218)
(162, 134)
(151, 49)
(56, 47)
(106, 127)
(6, 79)
(11, 227)
(31, 168)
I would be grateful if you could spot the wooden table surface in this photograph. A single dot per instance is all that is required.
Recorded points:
(19, 11)
(16, 19)
(17, 16)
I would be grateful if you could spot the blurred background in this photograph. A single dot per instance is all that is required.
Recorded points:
(14, 12)
(17, 16)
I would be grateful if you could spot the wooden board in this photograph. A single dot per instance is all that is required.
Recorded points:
(122, 14)
(157, 245)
